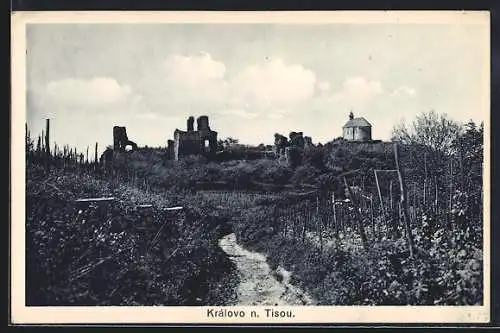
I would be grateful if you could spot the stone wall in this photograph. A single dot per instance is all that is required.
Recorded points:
(357, 133)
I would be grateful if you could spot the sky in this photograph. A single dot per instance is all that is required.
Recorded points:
(252, 80)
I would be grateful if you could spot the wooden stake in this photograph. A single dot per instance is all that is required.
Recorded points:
(404, 202)
(450, 203)
(47, 144)
(425, 192)
(390, 194)
(335, 214)
(359, 218)
(95, 156)
(379, 193)
(436, 196)
(461, 166)
(371, 215)
(425, 179)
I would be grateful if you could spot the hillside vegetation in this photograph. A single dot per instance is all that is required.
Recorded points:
(336, 221)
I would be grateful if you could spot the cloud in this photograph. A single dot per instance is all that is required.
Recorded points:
(274, 84)
(200, 82)
(179, 84)
(193, 69)
(275, 115)
(404, 91)
(239, 112)
(94, 92)
(357, 91)
(323, 86)
(186, 84)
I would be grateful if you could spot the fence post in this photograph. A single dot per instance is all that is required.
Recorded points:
(404, 202)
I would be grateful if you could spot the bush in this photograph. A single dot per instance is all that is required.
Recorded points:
(305, 174)
(103, 255)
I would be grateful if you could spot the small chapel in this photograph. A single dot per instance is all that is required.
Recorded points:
(357, 129)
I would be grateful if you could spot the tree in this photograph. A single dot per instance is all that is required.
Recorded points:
(226, 143)
(435, 132)
(315, 156)
(469, 155)
(428, 149)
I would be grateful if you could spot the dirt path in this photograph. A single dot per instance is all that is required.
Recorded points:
(259, 284)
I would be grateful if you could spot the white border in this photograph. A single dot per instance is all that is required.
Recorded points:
(20, 314)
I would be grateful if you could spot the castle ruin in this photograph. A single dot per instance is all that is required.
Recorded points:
(203, 141)
(120, 139)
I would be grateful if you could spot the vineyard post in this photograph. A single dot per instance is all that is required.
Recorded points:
(276, 226)
(64, 157)
(358, 216)
(436, 196)
(413, 202)
(404, 202)
(296, 223)
(379, 193)
(450, 204)
(335, 215)
(341, 218)
(38, 146)
(304, 219)
(26, 134)
(425, 178)
(462, 179)
(371, 214)
(291, 218)
(390, 194)
(425, 190)
(319, 224)
(96, 162)
(43, 142)
(284, 226)
(401, 216)
(47, 144)
(461, 167)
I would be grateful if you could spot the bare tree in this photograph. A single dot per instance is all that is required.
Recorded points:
(436, 132)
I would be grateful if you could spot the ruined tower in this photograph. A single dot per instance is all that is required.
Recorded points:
(202, 122)
(190, 124)
(120, 139)
(203, 141)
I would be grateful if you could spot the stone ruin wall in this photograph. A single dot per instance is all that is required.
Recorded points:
(192, 142)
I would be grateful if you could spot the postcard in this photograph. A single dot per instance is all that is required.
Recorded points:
(221, 168)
